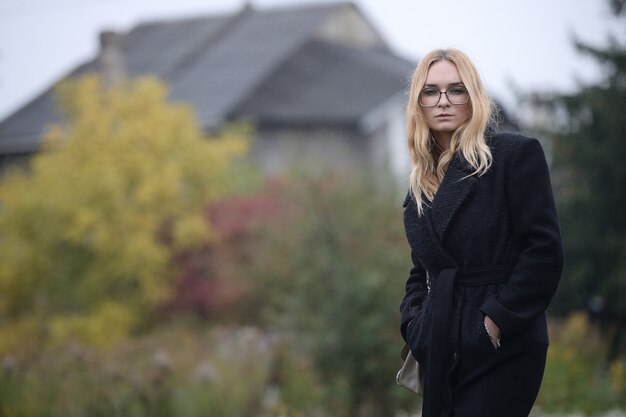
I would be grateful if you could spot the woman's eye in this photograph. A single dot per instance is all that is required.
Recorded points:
(430, 92)
(457, 91)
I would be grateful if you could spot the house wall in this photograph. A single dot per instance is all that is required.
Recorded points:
(388, 146)
(382, 151)
(309, 149)
(14, 161)
(347, 26)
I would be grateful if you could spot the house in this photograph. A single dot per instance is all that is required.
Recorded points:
(321, 84)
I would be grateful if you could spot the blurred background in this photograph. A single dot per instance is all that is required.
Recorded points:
(200, 201)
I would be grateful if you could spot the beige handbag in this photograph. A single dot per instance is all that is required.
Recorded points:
(409, 375)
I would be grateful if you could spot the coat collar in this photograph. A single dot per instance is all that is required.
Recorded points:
(431, 227)
(453, 191)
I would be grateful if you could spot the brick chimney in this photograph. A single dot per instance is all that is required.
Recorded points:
(110, 59)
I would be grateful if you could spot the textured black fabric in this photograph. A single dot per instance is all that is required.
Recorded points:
(439, 360)
(504, 217)
(503, 382)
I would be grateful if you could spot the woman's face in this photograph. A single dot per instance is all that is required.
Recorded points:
(444, 116)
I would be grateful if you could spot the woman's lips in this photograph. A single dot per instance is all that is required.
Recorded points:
(443, 116)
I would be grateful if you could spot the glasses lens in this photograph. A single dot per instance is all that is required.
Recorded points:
(429, 97)
(457, 95)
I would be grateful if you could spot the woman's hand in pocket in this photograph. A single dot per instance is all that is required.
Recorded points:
(493, 331)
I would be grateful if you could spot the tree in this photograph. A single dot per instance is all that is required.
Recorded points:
(589, 150)
(88, 231)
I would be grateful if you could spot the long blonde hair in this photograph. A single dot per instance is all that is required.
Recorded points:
(469, 138)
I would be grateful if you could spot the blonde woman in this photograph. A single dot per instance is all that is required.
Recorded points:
(486, 248)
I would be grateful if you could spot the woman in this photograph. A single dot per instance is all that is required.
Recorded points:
(486, 248)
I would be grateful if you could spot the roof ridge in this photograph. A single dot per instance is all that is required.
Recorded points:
(230, 24)
(309, 5)
(279, 62)
(189, 18)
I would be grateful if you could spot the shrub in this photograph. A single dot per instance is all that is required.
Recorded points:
(331, 274)
(577, 378)
(174, 372)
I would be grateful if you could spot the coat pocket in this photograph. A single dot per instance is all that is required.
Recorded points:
(419, 329)
(485, 339)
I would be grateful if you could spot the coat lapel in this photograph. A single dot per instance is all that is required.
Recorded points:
(453, 191)
(427, 232)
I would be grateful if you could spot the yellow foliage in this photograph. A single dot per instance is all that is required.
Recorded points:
(618, 376)
(576, 371)
(88, 230)
(578, 337)
(20, 334)
(108, 323)
(191, 231)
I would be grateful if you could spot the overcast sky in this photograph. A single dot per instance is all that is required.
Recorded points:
(517, 45)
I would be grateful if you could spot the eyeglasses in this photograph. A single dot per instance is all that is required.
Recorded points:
(430, 97)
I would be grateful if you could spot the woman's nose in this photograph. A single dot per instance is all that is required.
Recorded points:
(443, 99)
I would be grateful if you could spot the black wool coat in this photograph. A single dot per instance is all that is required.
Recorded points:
(504, 218)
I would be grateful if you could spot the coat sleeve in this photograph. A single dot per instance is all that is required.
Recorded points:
(536, 231)
(415, 289)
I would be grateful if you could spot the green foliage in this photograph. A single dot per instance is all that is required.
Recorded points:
(170, 373)
(576, 376)
(88, 231)
(331, 274)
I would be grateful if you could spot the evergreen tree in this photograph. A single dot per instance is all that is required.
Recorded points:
(589, 132)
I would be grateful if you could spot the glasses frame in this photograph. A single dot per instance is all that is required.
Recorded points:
(439, 99)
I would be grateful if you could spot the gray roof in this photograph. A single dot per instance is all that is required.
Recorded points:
(265, 63)
(326, 83)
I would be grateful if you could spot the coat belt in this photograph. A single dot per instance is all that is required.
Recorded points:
(438, 357)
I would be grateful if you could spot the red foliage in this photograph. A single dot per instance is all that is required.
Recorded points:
(209, 284)
(233, 218)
